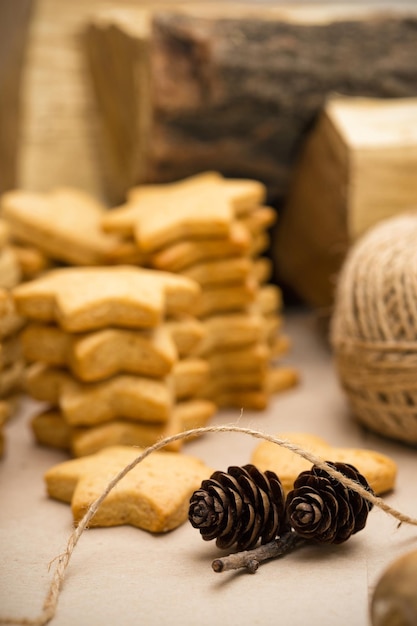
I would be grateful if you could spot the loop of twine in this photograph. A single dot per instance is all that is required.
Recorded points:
(62, 561)
(374, 327)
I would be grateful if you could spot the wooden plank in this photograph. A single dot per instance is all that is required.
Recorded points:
(357, 167)
(58, 140)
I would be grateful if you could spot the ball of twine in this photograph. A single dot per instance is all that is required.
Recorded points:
(374, 328)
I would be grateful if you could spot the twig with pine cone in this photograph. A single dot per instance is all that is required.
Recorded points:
(247, 509)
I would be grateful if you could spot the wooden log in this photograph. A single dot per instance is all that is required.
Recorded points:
(14, 21)
(238, 93)
(357, 167)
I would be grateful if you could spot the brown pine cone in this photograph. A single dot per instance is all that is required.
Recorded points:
(239, 507)
(321, 508)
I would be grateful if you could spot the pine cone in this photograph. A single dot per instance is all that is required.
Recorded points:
(321, 508)
(239, 507)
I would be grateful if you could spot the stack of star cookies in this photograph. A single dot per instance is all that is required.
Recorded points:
(214, 230)
(109, 349)
(207, 228)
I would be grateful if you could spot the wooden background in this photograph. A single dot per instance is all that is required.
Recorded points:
(47, 115)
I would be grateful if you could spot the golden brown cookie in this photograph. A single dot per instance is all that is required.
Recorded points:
(245, 194)
(379, 470)
(31, 260)
(220, 272)
(188, 377)
(244, 380)
(187, 333)
(249, 358)
(65, 224)
(200, 206)
(269, 380)
(153, 496)
(260, 219)
(103, 353)
(10, 272)
(10, 351)
(227, 298)
(268, 300)
(271, 327)
(122, 219)
(9, 404)
(251, 389)
(86, 441)
(242, 399)
(50, 428)
(230, 330)
(86, 298)
(262, 270)
(12, 378)
(165, 218)
(181, 254)
(260, 243)
(85, 404)
(10, 321)
(281, 378)
(124, 396)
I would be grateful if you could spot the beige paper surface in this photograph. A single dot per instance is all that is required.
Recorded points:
(124, 576)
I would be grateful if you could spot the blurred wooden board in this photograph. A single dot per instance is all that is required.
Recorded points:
(357, 167)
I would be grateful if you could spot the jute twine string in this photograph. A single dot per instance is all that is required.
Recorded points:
(62, 561)
(374, 328)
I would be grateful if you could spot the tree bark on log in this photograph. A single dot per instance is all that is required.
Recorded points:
(238, 94)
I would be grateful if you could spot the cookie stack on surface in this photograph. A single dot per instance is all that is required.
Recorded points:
(208, 229)
(214, 230)
(109, 356)
(12, 367)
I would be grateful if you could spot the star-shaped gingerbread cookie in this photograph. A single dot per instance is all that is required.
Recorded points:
(87, 298)
(379, 470)
(124, 396)
(50, 428)
(86, 404)
(153, 496)
(198, 207)
(187, 252)
(65, 224)
(99, 354)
